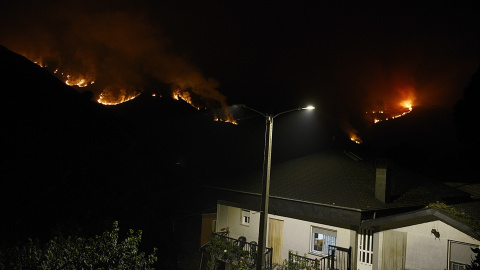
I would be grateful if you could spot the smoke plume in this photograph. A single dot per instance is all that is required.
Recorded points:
(115, 51)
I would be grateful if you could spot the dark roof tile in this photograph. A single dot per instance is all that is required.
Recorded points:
(332, 177)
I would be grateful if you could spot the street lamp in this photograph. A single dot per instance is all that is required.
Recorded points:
(267, 161)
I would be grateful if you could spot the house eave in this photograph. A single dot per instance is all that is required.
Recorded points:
(320, 213)
(417, 217)
(290, 199)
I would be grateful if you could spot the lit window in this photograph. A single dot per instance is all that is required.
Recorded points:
(321, 239)
(245, 217)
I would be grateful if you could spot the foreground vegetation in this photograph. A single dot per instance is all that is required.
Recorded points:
(106, 251)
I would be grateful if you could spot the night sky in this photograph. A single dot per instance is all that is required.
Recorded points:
(341, 57)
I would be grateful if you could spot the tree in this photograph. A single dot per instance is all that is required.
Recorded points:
(107, 251)
(467, 113)
(220, 249)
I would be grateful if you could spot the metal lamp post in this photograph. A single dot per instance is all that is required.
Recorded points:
(267, 161)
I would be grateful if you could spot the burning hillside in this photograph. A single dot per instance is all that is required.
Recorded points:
(206, 98)
(398, 103)
(116, 55)
(380, 114)
(398, 106)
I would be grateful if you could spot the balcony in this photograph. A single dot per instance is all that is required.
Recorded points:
(338, 258)
(222, 250)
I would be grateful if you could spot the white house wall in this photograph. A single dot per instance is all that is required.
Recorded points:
(222, 217)
(230, 217)
(424, 250)
(296, 233)
(297, 236)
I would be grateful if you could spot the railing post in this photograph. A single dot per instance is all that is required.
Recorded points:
(271, 258)
(349, 260)
(332, 261)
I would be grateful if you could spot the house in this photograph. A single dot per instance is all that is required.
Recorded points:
(385, 216)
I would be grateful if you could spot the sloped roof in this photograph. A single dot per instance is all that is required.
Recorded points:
(421, 215)
(327, 178)
(335, 178)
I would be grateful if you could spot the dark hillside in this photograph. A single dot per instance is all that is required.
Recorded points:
(74, 166)
(425, 140)
(65, 156)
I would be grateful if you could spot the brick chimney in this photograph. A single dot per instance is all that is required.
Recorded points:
(382, 181)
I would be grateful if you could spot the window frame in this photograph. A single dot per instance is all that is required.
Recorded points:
(329, 237)
(245, 213)
(452, 262)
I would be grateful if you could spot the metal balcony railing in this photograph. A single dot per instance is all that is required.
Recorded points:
(337, 258)
(235, 251)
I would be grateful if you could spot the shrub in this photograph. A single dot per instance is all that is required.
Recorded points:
(100, 252)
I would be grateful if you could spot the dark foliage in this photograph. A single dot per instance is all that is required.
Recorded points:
(475, 262)
(467, 113)
(107, 251)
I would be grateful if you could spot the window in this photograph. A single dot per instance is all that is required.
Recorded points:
(321, 239)
(245, 217)
(460, 254)
(214, 225)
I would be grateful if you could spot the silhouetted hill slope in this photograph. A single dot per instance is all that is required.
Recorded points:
(425, 140)
(72, 162)
(173, 132)
(64, 155)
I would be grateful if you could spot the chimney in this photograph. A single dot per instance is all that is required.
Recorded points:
(382, 181)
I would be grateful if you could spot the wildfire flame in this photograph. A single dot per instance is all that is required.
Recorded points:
(407, 104)
(111, 97)
(40, 63)
(227, 120)
(77, 81)
(106, 98)
(114, 49)
(405, 107)
(178, 94)
(354, 138)
(223, 116)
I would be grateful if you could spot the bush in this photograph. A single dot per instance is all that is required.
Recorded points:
(475, 265)
(220, 249)
(100, 252)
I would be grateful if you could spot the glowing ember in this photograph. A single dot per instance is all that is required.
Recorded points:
(40, 63)
(354, 138)
(231, 121)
